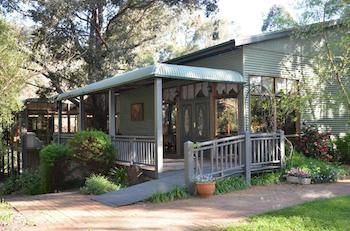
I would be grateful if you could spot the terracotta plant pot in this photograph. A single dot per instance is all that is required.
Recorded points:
(205, 189)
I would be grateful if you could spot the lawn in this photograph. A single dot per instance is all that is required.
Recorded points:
(329, 214)
(5, 213)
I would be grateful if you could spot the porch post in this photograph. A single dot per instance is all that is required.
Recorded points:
(189, 165)
(81, 114)
(111, 112)
(59, 121)
(248, 155)
(24, 129)
(158, 127)
(283, 149)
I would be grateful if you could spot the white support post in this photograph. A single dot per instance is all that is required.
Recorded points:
(81, 114)
(24, 129)
(189, 165)
(248, 157)
(59, 122)
(158, 126)
(111, 114)
(283, 149)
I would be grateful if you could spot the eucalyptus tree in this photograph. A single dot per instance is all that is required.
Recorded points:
(75, 42)
(326, 25)
(11, 73)
(278, 18)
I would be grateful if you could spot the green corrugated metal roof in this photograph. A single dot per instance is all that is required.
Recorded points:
(161, 70)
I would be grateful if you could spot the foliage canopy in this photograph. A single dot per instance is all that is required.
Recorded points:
(12, 60)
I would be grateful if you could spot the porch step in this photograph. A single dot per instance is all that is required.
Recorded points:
(140, 192)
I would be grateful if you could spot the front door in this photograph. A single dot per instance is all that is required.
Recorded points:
(195, 120)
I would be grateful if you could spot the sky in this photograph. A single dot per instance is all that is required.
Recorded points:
(248, 15)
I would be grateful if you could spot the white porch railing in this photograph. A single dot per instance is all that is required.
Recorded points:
(219, 157)
(242, 154)
(64, 137)
(138, 149)
(266, 151)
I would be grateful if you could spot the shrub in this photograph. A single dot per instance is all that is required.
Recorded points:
(53, 165)
(30, 183)
(97, 184)
(9, 186)
(343, 148)
(321, 171)
(177, 193)
(230, 184)
(119, 176)
(94, 150)
(316, 144)
(27, 183)
(267, 178)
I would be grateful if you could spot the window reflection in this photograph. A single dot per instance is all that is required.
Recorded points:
(226, 116)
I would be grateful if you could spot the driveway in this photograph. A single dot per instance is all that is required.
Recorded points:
(72, 211)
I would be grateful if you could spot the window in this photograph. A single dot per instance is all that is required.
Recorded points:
(264, 90)
(226, 116)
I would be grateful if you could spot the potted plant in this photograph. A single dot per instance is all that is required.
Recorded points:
(298, 176)
(205, 186)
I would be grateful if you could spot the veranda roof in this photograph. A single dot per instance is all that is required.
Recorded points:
(160, 70)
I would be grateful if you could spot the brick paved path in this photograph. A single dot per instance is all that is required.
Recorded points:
(72, 211)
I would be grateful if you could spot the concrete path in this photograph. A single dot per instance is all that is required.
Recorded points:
(72, 211)
(140, 192)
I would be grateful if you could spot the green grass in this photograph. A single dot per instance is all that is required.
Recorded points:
(177, 193)
(320, 215)
(5, 213)
(267, 178)
(98, 184)
(230, 184)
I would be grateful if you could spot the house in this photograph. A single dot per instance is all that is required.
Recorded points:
(205, 97)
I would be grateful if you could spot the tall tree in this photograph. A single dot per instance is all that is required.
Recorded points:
(190, 31)
(278, 18)
(11, 75)
(83, 41)
(326, 23)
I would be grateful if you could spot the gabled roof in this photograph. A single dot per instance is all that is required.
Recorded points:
(159, 70)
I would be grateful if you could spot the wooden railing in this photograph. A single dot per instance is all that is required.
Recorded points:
(219, 157)
(266, 151)
(64, 137)
(136, 149)
(236, 155)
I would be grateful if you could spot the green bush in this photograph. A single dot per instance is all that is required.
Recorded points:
(343, 148)
(94, 150)
(321, 171)
(177, 193)
(53, 165)
(9, 186)
(230, 184)
(119, 176)
(97, 184)
(30, 183)
(267, 178)
(27, 183)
